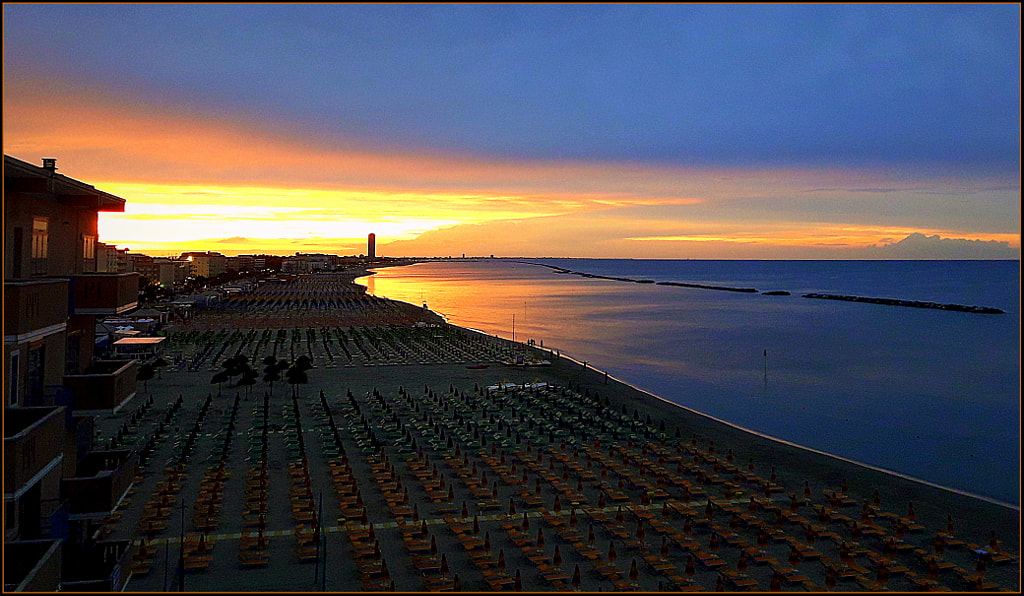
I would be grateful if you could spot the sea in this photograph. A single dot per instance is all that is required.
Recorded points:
(931, 394)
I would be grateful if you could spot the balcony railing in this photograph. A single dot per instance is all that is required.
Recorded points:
(103, 293)
(34, 309)
(32, 566)
(101, 481)
(105, 386)
(33, 445)
(103, 568)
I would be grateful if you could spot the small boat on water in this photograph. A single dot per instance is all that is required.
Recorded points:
(478, 366)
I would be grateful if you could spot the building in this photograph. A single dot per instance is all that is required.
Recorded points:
(371, 246)
(206, 264)
(58, 485)
(110, 259)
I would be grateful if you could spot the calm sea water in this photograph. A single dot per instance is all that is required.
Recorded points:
(928, 393)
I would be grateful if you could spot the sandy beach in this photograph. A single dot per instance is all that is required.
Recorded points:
(410, 456)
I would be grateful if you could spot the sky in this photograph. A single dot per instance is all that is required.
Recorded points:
(580, 130)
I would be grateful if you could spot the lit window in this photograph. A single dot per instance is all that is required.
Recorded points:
(40, 237)
(88, 247)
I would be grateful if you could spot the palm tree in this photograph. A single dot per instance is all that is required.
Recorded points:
(296, 376)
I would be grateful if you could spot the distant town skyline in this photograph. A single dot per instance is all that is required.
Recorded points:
(621, 131)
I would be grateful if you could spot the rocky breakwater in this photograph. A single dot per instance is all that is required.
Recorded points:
(911, 303)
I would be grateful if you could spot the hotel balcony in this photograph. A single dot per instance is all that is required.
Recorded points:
(102, 480)
(105, 567)
(32, 566)
(103, 293)
(33, 446)
(34, 309)
(104, 386)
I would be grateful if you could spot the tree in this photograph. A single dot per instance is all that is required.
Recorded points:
(271, 377)
(296, 376)
(219, 378)
(159, 363)
(145, 373)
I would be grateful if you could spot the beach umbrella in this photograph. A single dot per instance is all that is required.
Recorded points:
(526, 521)
(807, 489)
(688, 526)
(511, 507)
(713, 543)
(719, 585)
(451, 491)
(501, 559)
(536, 488)
(494, 490)
(540, 537)
(416, 513)
(910, 511)
(518, 585)
(558, 504)
(611, 551)
(572, 517)
(465, 510)
(601, 502)
(664, 546)
(794, 555)
(557, 558)
(487, 541)
(433, 545)
(618, 515)
(444, 564)
(591, 538)
(384, 569)
(949, 525)
(423, 529)
(634, 573)
(640, 532)
(363, 519)
(476, 524)
(741, 565)
(690, 569)
(576, 580)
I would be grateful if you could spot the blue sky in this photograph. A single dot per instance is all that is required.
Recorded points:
(904, 92)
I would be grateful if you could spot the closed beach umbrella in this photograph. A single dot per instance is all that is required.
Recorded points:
(444, 564)
(476, 524)
(640, 533)
(690, 569)
(664, 546)
(433, 545)
(501, 559)
(526, 521)
(634, 573)
(618, 515)
(511, 507)
(591, 538)
(576, 580)
(572, 517)
(557, 558)
(558, 504)
(611, 551)
(540, 537)
(518, 585)
(456, 584)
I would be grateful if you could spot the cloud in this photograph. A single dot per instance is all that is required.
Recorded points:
(921, 246)
(233, 240)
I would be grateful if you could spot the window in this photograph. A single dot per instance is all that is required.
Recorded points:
(88, 247)
(40, 244)
(34, 377)
(40, 237)
(13, 376)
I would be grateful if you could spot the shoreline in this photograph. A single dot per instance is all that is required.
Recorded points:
(439, 366)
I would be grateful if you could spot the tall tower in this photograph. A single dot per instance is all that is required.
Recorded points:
(371, 246)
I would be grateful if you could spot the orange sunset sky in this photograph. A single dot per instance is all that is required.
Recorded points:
(235, 162)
